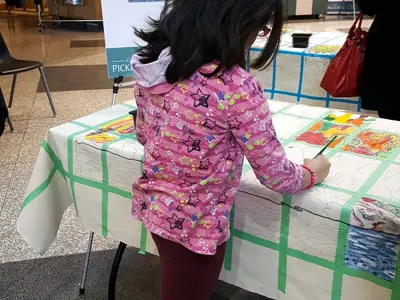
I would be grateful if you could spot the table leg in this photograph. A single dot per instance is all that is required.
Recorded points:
(85, 270)
(114, 270)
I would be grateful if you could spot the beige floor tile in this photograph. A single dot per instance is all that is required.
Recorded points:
(60, 54)
(72, 105)
(30, 146)
(6, 172)
(41, 125)
(10, 144)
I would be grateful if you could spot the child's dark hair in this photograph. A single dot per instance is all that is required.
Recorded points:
(201, 31)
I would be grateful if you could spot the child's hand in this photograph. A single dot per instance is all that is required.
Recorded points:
(320, 165)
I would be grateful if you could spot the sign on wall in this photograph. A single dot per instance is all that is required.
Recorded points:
(120, 17)
(340, 6)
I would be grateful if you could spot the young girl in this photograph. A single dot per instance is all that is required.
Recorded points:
(199, 114)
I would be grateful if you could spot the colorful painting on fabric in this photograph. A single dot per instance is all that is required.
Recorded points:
(373, 144)
(347, 119)
(110, 132)
(322, 132)
(328, 49)
(372, 252)
(376, 215)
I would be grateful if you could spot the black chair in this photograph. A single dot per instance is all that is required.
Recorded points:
(13, 66)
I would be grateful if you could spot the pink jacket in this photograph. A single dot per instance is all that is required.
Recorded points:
(196, 133)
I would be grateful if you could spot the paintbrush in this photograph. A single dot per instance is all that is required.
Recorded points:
(326, 146)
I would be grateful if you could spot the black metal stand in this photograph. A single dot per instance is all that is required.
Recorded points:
(116, 86)
(114, 271)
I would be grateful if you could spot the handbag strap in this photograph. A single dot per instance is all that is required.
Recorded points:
(357, 23)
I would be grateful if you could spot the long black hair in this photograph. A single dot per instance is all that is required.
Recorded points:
(202, 31)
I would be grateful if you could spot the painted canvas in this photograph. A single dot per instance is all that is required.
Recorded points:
(376, 215)
(347, 119)
(372, 143)
(110, 131)
(328, 49)
(323, 131)
(372, 252)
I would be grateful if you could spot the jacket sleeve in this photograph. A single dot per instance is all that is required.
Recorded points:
(369, 7)
(252, 127)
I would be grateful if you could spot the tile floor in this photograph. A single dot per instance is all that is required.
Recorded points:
(66, 54)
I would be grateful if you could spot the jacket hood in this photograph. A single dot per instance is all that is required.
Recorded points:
(152, 75)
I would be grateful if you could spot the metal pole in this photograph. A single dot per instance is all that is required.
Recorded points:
(85, 270)
(46, 87)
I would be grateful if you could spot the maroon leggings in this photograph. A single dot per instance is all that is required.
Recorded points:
(185, 274)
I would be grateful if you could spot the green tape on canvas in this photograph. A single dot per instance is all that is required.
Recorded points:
(254, 239)
(57, 162)
(229, 243)
(40, 189)
(104, 196)
(396, 283)
(283, 243)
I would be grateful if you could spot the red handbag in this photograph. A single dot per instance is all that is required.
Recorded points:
(343, 75)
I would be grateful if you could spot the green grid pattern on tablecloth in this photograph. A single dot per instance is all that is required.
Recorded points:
(282, 247)
(338, 266)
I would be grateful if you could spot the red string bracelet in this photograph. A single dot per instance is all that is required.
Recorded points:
(313, 178)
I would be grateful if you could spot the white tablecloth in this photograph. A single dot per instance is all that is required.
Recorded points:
(286, 248)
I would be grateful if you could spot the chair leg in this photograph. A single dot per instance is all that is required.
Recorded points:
(47, 90)
(10, 123)
(12, 90)
(85, 270)
(114, 271)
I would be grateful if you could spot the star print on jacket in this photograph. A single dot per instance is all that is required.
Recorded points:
(144, 175)
(156, 154)
(257, 89)
(195, 135)
(222, 199)
(210, 124)
(255, 165)
(226, 78)
(176, 222)
(192, 145)
(186, 183)
(194, 200)
(200, 99)
(204, 164)
(219, 227)
(234, 124)
(156, 128)
(166, 106)
(231, 155)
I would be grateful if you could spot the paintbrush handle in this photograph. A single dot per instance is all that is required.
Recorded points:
(326, 146)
